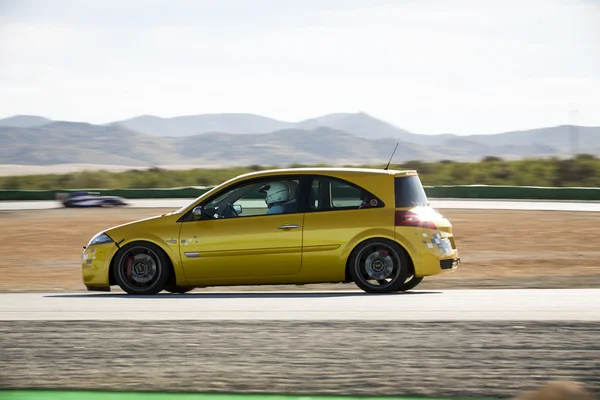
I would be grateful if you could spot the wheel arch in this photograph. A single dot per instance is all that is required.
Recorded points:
(172, 276)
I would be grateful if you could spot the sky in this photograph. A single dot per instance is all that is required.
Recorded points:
(449, 66)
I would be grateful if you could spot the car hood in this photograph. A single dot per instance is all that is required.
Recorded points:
(119, 229)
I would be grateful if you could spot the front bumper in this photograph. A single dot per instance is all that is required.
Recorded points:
(95, 265)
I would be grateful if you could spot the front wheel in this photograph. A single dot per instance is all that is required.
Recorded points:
(141, 268)
(379, 266)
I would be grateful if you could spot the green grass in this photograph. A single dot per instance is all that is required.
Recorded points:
(583, 170)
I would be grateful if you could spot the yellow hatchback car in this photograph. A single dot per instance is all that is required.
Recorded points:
(287, 226)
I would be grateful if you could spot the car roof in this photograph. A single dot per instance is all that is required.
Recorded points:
(331, 170)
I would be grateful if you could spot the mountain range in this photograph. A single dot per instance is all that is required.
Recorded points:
(246, 139)
(359, 124)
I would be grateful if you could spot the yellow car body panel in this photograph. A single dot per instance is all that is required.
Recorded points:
(330, 237)
(259, 249)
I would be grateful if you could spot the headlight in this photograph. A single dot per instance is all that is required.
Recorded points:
(100, 238)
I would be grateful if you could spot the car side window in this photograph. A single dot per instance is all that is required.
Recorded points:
(343, 195)
(256, 198)
(336, 194)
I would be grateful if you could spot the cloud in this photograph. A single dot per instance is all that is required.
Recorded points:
(464, 66)
(26, 40)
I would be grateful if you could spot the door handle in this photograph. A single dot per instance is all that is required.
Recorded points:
(287, 226)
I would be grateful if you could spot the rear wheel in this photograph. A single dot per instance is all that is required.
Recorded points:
(379, 266)
(179, 289)
(141, 268)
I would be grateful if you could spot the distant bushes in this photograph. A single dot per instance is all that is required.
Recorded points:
(583, 170)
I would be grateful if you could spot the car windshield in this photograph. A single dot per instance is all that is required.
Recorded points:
(185, 207)
(214, 202)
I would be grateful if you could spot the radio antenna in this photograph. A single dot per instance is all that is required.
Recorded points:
(394, 152)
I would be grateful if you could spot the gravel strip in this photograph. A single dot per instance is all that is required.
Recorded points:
(453, 359)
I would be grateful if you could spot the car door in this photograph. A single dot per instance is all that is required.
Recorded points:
(249, 245)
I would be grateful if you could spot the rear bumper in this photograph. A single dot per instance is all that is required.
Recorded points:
(450, 263)
(432, 252)
(434, 264)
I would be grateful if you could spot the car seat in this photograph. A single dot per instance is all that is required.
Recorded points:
(291, 206)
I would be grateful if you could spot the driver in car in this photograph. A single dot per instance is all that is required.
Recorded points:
(277, 194)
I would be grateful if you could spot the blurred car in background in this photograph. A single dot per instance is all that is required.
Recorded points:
(90, 199)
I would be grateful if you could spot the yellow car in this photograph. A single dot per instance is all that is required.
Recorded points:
(286, 226)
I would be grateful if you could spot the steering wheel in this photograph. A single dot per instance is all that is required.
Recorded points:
(230, 210)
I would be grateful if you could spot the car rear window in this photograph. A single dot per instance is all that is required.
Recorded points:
(409, 192)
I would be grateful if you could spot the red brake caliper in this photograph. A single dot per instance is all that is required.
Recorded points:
(128, 271)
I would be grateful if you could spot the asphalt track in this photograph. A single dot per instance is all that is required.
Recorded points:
(477, 204)
(448, 305)
(446, 359)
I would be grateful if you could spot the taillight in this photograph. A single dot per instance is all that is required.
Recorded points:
(409, 218)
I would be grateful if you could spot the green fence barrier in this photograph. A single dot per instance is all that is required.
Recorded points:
(513, 192)
(459, 192)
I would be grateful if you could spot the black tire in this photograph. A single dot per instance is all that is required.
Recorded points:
(179, 289)
(382, 261)
(411, 283)
(150, 262)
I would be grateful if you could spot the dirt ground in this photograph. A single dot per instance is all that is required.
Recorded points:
(40, 250)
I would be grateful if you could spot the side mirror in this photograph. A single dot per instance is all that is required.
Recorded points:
(198, 212)
(237, 208)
